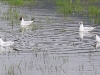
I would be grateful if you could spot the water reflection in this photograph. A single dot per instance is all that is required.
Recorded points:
(82, 34)
(28, 28)
(48, 50)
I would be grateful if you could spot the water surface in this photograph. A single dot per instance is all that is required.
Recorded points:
(56, 47)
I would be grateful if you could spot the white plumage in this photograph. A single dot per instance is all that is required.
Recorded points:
(25, 23)
(7, 43)
(82, 28)
(97, 38)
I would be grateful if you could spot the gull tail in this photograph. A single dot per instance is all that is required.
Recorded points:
(94, 27)
(32, 19)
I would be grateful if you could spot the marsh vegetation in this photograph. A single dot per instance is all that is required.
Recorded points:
(53, 46)
(87, 8)
(19, 2)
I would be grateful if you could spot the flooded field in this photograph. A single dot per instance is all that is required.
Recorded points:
(52, 45)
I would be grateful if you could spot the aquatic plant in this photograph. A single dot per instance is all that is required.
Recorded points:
(65, 6)
(18, 2)
(94, 15)
(79, 7)
(34, 27)
(12, 15)
(93, 11)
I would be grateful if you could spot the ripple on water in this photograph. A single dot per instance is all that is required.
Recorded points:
(54, 48)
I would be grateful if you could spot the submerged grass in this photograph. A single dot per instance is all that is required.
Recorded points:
(12, 15)
(88, 8)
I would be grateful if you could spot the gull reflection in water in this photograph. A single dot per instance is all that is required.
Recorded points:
(23, 28)
(29, 28)
(82, 34)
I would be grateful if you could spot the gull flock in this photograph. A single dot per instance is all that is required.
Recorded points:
(22, 23)
(82, 29)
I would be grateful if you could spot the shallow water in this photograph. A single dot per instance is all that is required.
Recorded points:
(54, 48)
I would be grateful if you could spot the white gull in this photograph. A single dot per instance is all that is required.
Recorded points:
(25, 23)
(7, 43)
(82, 28)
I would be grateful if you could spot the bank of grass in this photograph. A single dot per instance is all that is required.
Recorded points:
(88, 8)
(94, 14)
(18, 2)
(68, 6)
(15, 2)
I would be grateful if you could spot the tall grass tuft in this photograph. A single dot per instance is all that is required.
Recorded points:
(85, 8)
(93, 11)
(19, 2)
(65, 6)
(16, 2)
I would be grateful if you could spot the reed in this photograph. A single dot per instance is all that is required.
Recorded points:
(85, 7)
(12, 16)
(68, 6)
(65, 6)
(18, 2)
(93, 11)
(94, 15)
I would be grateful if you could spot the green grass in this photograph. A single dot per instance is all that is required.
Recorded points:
(11, 15)
(64, 6)
(87, 8)
(80, 7)
(68, 6)
(94, 14)
(93, 11)
(18, 2)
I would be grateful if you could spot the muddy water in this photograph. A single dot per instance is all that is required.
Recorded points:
(55, 47)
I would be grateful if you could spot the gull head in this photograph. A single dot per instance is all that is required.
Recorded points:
(20, 18)
(80, 23)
